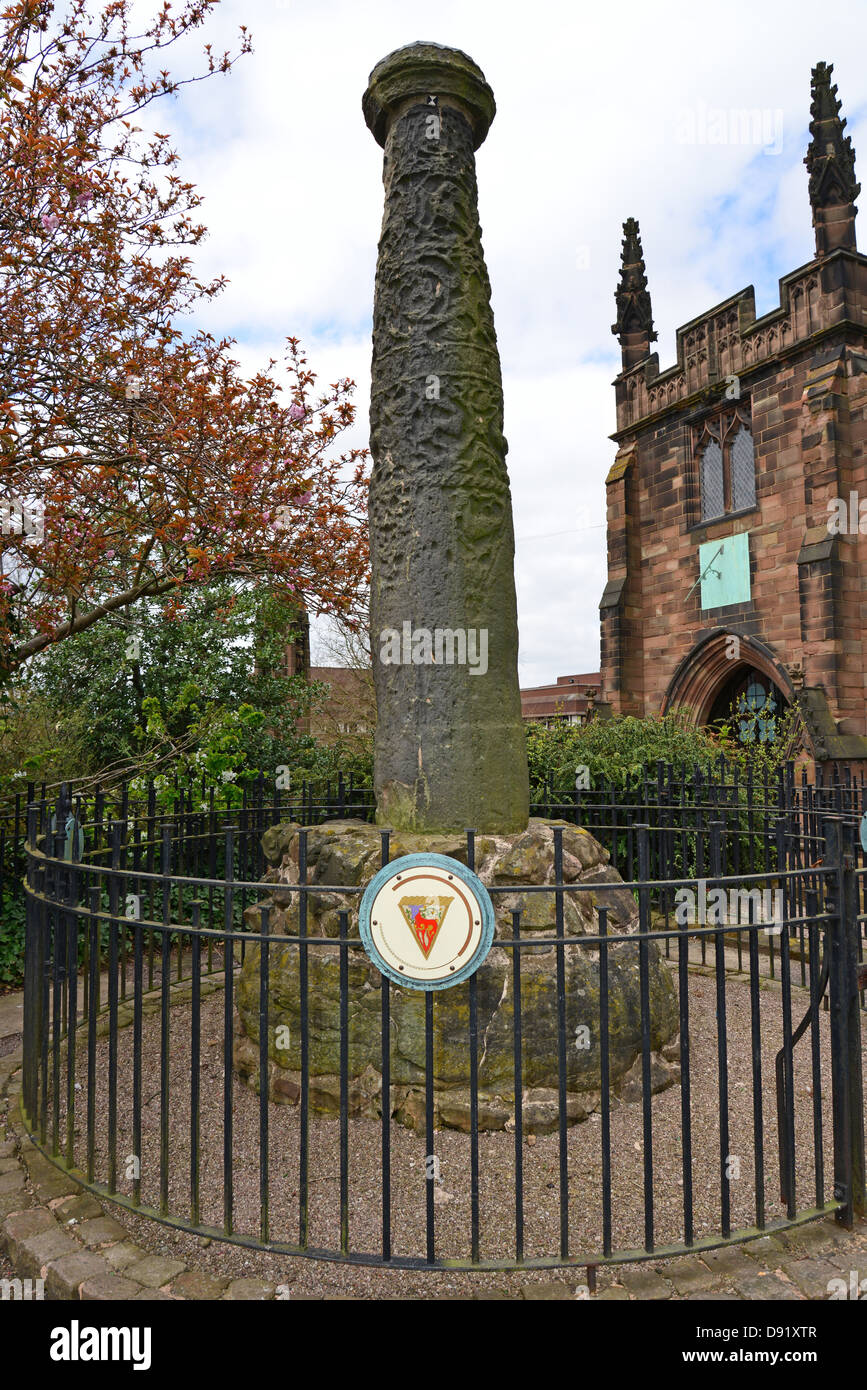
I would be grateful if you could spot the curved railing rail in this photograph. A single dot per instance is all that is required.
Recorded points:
(676, 800)
(142, 938)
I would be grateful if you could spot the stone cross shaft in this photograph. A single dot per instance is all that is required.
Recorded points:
(450, 750)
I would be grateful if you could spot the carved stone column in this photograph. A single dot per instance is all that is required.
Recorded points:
(450, 748)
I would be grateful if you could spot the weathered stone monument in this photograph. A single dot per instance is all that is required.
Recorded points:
(450, 748)
(450, 751)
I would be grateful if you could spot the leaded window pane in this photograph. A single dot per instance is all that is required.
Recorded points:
(712, 492)
(743, 471)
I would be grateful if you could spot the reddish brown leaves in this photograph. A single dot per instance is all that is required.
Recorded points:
(150, 460)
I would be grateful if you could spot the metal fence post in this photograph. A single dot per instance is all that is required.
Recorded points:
(847, 1087)
(33, 966)
(853, 1020)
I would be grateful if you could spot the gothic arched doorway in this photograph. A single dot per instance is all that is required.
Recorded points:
(751, 704)
(730, 679)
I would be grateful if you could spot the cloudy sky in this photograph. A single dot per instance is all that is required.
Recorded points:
(603, 112)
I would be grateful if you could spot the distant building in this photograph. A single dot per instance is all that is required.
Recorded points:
(568, 701)
(737, 544)
(350, 709)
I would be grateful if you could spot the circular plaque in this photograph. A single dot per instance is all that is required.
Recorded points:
(426, 921)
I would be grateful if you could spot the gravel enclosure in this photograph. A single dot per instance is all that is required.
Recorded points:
(496, 1159)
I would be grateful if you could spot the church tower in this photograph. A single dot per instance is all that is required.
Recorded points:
(737, 554)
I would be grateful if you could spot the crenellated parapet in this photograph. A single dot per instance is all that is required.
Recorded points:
(728, 340)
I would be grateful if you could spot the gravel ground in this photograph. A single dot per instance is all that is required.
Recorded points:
(540, 1161)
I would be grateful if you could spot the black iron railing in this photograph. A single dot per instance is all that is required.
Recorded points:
(135, 947)
(679, 803)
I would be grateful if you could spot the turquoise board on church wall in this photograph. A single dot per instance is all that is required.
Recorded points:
(724, 566)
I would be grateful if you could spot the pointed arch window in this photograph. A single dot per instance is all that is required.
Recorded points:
(727, 464)
(743, 458)
(712, 488)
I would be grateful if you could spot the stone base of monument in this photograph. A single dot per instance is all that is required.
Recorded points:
(345, 853)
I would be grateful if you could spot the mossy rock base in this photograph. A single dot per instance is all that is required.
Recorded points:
(347, 854)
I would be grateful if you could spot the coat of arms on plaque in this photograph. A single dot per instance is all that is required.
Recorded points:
(425, 919)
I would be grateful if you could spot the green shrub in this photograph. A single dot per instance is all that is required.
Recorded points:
(618, 750)
(12, 910)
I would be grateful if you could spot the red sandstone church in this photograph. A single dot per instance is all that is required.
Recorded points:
(726, 583)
